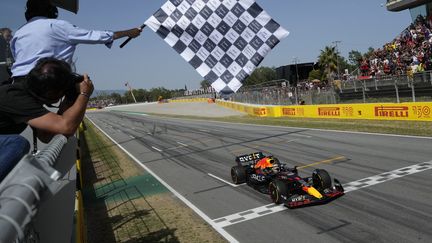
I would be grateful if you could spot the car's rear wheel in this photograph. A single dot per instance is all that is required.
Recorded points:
(238, 174)
(277, 188)
(321, 179)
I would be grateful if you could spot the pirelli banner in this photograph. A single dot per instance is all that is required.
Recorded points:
(388, 111)
(420, 111)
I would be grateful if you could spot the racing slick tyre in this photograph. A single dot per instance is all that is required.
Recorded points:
(321, 179)
(277, 188)
(238, 174)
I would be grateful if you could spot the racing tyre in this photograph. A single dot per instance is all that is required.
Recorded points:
(238, 174)
(321, 179)
(276, 189)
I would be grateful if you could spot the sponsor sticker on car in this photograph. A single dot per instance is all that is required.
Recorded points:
(249, 157)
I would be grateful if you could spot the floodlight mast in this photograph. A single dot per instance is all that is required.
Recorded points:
(337, 56)
(131, 91)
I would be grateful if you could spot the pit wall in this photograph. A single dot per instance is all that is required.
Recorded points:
(419, 111)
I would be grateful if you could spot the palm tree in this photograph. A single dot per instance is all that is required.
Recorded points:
(328, 62)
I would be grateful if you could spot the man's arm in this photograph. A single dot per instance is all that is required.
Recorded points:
(78, 35)
(132, 33)
(50, 124)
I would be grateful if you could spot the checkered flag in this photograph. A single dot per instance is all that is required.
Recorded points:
(224, 40)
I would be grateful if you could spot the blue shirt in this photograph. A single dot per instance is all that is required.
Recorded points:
(43, 37)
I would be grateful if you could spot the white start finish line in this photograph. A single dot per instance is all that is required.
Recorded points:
(349, 187)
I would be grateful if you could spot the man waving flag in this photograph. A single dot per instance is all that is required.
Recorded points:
(224, 40)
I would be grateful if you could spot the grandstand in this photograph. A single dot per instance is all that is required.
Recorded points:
(402, 66)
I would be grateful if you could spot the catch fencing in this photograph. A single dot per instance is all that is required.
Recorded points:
(417, 87)
(394, 89)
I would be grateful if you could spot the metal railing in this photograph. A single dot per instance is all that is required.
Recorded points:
(398, 89)
(423, 78)
(419, 85)
(21, 191)
(383, 89)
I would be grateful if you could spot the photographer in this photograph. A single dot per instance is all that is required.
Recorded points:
(22, 103)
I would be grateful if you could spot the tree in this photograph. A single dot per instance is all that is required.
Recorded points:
(154, 93)
(205, 84)
(328, 60)
(141, 95)
(127, 98)
(315, 74)
(355, 58)
(369, 53)
(261, 75)
(116, 97)
(100, 95)
(343, 64)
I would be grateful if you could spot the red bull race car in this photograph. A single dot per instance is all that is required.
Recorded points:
(267, 175)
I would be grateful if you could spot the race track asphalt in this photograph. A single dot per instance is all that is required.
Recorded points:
(388, 178)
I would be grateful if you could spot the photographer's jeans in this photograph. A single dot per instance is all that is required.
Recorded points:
(12, 149)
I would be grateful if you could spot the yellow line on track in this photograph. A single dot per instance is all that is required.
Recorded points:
(322, 162)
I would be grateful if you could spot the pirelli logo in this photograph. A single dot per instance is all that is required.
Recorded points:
(391, 111)
(289, 111)
(329, 111)
(260, 111)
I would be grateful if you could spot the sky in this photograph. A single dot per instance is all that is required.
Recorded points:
(148, 62)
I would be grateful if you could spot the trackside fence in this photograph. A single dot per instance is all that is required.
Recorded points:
(394, 89)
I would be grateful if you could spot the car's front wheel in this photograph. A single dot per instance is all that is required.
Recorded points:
(321, 179)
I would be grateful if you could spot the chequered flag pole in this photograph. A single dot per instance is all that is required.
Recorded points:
(224, 40)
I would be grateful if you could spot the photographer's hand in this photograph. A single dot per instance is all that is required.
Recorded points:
(86, 87)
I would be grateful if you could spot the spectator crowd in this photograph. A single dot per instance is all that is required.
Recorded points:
(408, 53)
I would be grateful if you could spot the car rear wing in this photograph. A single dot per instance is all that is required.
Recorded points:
(249, 158)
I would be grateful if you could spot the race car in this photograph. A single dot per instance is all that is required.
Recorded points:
(267, 175)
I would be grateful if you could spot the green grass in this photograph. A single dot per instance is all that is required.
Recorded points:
(415, 128)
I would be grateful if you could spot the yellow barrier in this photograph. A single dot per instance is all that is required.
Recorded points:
(419, 111)
(80, 229)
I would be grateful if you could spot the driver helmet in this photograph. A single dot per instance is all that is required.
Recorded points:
(264, 163)
(275, 166)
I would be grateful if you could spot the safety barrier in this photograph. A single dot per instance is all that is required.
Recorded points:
(22, 190)
(413, 111)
